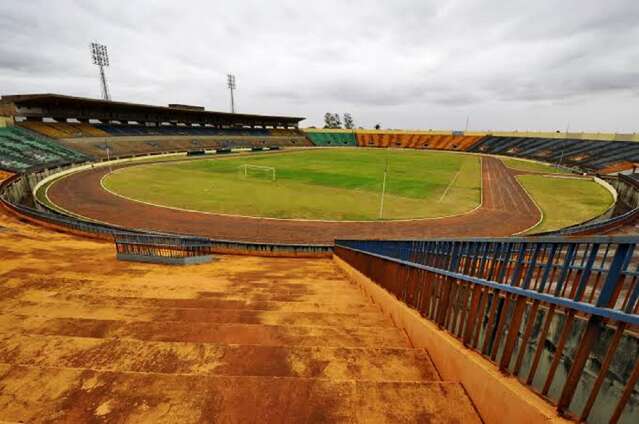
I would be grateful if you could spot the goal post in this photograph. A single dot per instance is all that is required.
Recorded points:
(246, 170)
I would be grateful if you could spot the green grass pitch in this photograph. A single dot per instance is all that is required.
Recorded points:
(326, 184)
(565, 201)
(530, 166)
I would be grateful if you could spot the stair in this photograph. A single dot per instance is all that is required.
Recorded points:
(240, 340)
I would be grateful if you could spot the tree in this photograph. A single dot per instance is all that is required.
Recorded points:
(378, 126)
(332, 120)
(328, 120)
(337, 121)
(348, 121)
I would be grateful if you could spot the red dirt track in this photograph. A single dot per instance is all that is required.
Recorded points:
(506, 210)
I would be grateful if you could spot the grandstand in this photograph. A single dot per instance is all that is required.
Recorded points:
(60, 108)
(100, 129)
(123, 146)
(115, 130)
(22, 150)
(63, 129)
(416, 140)
(585, 154)
(332, 138)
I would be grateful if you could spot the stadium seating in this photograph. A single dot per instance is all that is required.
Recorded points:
(132, 146)
(585, 154)
(22, 150)
(121, 140)
(125, 140)
(415, 140)
(63, 129)
(176, 130)
(618, 167)
(331, 138)
(76, 130)
(278, 132)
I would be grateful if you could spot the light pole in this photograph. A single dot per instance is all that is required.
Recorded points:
(230, 81)
(100, 57)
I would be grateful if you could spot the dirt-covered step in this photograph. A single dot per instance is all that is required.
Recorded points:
(212, 359)
(356, 305)
(413, 402)
(198, 332)
(66, 309)
(69, 395)
(276, 291)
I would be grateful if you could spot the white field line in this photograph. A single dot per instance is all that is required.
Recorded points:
(450, 184)
(103, 186)
(296, 150)
(275, 219)
(541, 212)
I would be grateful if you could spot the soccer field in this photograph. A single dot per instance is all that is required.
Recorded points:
(579, 200)
(344, 184)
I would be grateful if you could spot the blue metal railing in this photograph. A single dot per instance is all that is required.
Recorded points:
(529, 305)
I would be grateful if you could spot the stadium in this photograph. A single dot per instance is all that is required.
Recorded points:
(164, 259)
(478, 232)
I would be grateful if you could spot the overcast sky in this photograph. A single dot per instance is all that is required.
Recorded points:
(516, 64)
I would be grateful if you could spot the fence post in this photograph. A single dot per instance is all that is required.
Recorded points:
(448, 283)
(594, 327)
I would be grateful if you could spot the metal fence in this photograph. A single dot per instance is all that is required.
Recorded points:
(161, 246)
(551, 311)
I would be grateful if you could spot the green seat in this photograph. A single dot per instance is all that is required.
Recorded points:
(21, 149)
(330, 138)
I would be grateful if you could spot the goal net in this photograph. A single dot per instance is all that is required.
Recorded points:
(257, 171)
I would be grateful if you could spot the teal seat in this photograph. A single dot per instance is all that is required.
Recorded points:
(21, 149)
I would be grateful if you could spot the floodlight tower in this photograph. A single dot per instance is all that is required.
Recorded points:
(100, 58)
(230, 81)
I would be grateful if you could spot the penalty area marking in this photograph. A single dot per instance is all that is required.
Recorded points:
(449, 186)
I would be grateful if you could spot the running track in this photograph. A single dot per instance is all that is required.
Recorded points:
(506, 210)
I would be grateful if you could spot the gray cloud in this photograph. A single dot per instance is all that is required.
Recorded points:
(406, 63)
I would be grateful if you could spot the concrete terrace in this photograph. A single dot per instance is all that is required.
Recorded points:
(86, 338)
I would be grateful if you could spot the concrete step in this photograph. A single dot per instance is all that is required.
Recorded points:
(175, 331)
(66, 309)
(352, 306)
(416, 402)
(69, 395)
(376, 364)
(249, 290)
(341, 297)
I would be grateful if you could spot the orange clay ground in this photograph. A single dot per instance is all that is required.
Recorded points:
(85, 338)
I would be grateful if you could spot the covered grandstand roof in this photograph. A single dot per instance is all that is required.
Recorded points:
(59, 106)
